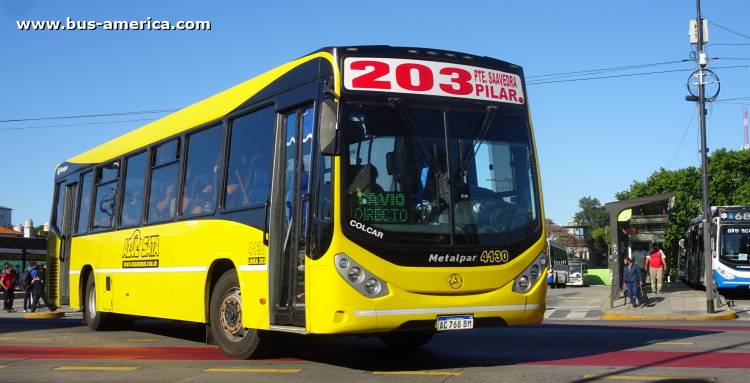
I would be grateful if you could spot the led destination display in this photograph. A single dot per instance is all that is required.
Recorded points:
(382, 207)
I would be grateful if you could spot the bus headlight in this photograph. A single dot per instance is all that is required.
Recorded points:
(534, 272)
(530, 276)
(725, 273)
(355, 274)
(372, 286)
(523, 282)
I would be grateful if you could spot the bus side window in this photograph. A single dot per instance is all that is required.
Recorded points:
(203, 153)
(250, 153)
(164, 167)
(84, 205)
(132, 202)
(106, 178)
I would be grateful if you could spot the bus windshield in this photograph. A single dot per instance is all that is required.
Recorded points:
(735, 244)
(444, 176)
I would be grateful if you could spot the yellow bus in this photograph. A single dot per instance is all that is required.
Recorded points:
(367, 190)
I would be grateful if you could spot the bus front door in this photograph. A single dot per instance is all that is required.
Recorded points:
(71, 196)
(289, 217)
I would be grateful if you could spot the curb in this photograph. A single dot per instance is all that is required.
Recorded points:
(730, 315)
(52, 315)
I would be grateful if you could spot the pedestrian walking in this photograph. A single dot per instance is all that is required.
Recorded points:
(27, 280)
(639, 258)
(656, 263)
(8, 283)
(631, 278)
(38, 287)
(18, 275)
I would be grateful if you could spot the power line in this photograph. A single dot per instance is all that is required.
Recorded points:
(93, 115)
(713, 45)
(81, 124)
(631, 74)
(592, 71)
(727, 29)
(683, 138)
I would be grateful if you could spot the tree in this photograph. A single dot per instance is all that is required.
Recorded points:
(729, 184)
(592, 213)
(562, 235)
(601, 238)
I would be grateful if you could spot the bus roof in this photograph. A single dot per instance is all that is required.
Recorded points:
(219, 105)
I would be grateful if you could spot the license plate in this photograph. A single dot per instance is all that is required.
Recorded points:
(457, 322)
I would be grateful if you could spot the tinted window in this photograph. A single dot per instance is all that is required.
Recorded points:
(250, 152)
(135, 176)
(161, 203)
(85, 205)
(203, 156)
(60, 205)
(106, 195)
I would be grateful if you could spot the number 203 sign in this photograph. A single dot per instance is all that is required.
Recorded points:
(431, 78)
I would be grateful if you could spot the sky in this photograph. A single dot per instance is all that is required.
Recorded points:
(594, 137)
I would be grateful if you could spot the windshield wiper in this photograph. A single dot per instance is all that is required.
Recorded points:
(491, 109)
(401, 108)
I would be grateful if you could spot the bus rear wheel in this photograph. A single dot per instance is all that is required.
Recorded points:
(96, 320)
(407, 340)
(225, 316)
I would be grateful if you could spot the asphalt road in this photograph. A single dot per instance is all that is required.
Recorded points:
(559, 350)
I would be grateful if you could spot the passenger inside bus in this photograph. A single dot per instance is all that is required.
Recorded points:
(131, 208)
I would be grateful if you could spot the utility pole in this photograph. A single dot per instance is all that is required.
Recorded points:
(707, 256)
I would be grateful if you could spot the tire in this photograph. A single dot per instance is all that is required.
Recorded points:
(407, 340)
(225, 316)
(97, 320)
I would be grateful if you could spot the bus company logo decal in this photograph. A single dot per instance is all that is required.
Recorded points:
(458, 258)
(61, 170)
(137, 249)
(456, 281)
(367, 229)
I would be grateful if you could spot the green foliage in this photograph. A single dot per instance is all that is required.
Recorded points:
(729, 184)
(592, 213)
(601, 238)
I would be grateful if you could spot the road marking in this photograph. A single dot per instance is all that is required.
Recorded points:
(142, 340)
(577, 314)
(3, 366)
(674, 343)
(444, 373)
(628, 377)
(25, 338)
(98, 368)
(252, 370)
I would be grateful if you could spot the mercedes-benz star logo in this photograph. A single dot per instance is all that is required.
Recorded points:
(455, 281)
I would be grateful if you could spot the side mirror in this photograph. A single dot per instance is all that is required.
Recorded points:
(389, 163)
(328, 129)
(682, 243)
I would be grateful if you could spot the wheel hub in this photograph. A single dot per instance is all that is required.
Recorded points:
(231, 316)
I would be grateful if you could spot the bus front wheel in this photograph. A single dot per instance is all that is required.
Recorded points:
(96, 320)
(407, 340)
(225, 315)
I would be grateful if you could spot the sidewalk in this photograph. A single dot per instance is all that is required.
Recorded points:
(678, 302)
(41, 308)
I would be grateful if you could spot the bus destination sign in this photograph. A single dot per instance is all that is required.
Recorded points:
(432, 78)
(381, 207)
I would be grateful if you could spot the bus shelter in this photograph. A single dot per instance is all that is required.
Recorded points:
(22, 250)
(637, 221)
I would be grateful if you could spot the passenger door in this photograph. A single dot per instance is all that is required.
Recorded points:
(290, 215)
(67, 229)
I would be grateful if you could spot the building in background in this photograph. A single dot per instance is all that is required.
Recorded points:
(5, 218)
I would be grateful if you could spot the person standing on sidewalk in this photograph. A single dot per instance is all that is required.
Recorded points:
(639, 258)
(8, 284)
(656, 263)
(631, 278)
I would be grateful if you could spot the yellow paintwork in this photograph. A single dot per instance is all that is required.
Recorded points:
(197, 114)
(187, 249)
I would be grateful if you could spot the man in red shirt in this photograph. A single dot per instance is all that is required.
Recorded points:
(8, 283)
(656, 263)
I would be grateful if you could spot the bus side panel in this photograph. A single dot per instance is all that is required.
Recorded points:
(161, 270)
